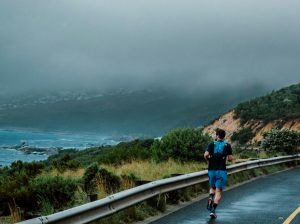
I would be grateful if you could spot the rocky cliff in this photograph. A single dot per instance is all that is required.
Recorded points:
(231, 124)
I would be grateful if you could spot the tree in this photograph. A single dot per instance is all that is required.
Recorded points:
(242, 136)
(184, 144)
(282, 140)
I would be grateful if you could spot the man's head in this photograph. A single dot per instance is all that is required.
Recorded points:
(220, 133)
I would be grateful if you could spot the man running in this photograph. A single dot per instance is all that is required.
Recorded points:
(216, 154)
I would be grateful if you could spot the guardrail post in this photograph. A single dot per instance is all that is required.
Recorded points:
(159, 202)
(92, 197)
(173, 197)
(141, 182)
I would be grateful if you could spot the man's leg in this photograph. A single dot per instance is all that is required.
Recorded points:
(221, 180)
(218, 196)
(217, 199)
(212, 193)
(210, 199)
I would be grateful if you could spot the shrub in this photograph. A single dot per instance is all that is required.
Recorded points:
(65, 163)
(127, 152)
(31, 193)
(89, 174)
(282, 140)
(243, 136)
(111, 182)
(30, 169)
(94, 175)
(185, 144)
(56, 191)
(15, 187)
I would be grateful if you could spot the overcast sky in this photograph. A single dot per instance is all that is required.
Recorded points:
(64, 44)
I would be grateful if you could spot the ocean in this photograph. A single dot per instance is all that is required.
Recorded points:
(10, 139)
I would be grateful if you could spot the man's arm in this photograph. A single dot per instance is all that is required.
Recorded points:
(229, 155)
(207, 151)
(206, 155)
(230, 158)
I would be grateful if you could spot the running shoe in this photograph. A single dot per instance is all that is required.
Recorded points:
(213, 215)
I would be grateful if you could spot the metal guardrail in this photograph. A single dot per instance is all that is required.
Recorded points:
(119, 201)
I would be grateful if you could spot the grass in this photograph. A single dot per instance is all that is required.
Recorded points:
(6, 220)
(251, 154)
(150, 170)
(66, 174)
(14, 212)
(144, 169)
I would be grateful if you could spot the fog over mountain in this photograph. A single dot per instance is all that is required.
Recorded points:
(184, 49)
(144, 113)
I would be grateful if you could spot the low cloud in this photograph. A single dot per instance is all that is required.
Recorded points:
(183, 46)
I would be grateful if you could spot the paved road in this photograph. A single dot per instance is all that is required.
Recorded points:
(269, 199)
(296, 220)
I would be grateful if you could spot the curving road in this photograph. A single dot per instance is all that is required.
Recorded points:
(269, 199)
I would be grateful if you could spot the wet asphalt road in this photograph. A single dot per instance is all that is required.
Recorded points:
(296, 220)
(269, 199)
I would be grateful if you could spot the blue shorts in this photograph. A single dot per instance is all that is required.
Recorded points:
(217, 178)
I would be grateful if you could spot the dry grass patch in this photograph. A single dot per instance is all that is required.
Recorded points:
(67, 174)
(149, 170)
(6, 220)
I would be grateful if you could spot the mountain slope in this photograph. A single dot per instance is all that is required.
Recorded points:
(279, 109)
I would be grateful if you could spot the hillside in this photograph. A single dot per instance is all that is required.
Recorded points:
(139, 113)
(279, 109)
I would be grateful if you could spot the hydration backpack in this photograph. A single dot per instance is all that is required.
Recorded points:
(219, 147)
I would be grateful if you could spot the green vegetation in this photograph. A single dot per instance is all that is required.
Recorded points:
(55, 192)
(242, 136)
(64, 163)
(21, 184)
(124, 152)
(150, 170)
(41, 188)
(15, 184)
(89, 175)
(283, 104)
(244, 153)
(65, 180)
(185, 144)
(282, 140)
(94, 175)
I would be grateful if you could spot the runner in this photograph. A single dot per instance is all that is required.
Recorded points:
(216, 154)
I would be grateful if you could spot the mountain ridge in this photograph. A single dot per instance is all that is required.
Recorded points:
(233, 122)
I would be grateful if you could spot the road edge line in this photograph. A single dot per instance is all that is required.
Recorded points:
(292, 216)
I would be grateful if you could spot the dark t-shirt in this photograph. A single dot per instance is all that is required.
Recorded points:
(214, 164)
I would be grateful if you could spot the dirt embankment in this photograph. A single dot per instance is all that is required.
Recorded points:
(231, 125)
